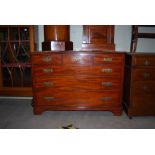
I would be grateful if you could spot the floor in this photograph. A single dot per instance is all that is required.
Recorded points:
(18, 114)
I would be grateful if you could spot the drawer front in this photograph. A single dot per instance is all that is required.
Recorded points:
(145, 100)
(144, 87)
(77, 83)
(108, 59)
(55, 59)
(144, 61)
(77, 98)
(77, 59)
(48, 70)
(143, 74)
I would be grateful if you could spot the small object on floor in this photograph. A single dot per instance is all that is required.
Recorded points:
(70, 126)
(130, 117)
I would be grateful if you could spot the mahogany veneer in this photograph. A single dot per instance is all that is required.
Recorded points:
(139, 87)
(77, 81)
(98, 37)
(57, 38)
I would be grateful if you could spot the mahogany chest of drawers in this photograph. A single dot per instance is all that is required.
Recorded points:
(77, 81)
(139, 87)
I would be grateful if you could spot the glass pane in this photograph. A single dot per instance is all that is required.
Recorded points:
(3, 34)
(4, 54)
(24, 33)
(16, 76)
(6, 77)
(27, 77)
(22, 53)
(14, 34)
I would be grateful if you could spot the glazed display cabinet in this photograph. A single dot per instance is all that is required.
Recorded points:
(16, 44)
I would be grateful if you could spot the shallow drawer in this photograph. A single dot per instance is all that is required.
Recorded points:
(55, 59)
(146, 100)
(108, 59)
(48, 70)
(144, 87)
(143, 60)
(143, 74)
(77, 98)
(77, 83)
(81, 58)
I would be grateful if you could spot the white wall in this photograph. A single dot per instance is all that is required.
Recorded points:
(40, 36)
(122, 38)
(76, 36)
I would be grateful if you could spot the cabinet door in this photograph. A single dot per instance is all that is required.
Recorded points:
(16, 43)
(98, 34)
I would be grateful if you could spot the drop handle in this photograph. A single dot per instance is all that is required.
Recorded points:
(108, 84)
(145, 88)
(107, 70)
(146, 75)
(146, 62)
(47, 70)
(76, 59)
(47, 59)
(107, 59)
(49, 98)
(106, 99)
(48, 84)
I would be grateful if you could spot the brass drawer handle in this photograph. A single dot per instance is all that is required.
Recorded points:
(107, 59)
(47, 70)
(76, 59)
(145, 88)
(106, 99)
(107, 70)
(146, 62)
(48, 84)
(49, 98)
(47, 59)
(146, 75)
(108, 84)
